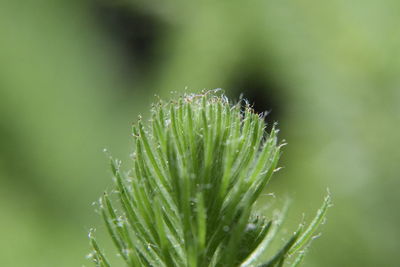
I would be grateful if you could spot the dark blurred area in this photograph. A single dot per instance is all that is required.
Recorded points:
(74, 75)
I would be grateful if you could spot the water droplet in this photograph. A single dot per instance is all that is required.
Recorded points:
(90, 255)
(226, 228)
(126, 251)
(250, 226)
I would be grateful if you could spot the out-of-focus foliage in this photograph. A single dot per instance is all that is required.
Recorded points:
(69, 86)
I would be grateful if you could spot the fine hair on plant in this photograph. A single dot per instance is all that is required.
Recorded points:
(199, 165)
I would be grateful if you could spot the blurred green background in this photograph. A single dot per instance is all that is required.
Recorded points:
(75, 74)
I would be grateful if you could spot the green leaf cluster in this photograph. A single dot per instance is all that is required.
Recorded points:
(199, 166)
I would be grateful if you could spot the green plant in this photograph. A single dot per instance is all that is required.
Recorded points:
(198, 168)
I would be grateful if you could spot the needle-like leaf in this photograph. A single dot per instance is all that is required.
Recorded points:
(199, 166)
